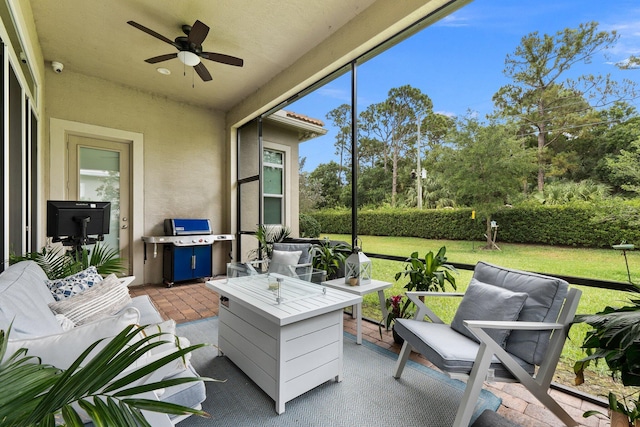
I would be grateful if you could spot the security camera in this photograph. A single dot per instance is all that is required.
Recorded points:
(23, 58)
(57, 66)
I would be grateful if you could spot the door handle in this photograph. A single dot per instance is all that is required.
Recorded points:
(125, 226)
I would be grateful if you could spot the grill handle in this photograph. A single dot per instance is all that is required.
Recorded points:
(193, 262)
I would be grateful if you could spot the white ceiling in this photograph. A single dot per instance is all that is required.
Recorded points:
(92, 37)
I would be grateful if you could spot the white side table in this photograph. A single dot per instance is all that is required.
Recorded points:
(361, 290)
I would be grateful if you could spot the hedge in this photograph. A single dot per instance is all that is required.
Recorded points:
(577, 224)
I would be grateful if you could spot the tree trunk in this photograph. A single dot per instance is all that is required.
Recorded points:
(394, 177)
(488, 234)
(541, 165)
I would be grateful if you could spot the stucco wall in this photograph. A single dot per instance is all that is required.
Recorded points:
(184, 152)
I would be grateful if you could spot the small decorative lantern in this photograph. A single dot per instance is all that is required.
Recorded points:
(357, 266)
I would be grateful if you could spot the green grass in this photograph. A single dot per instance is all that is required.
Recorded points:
(604, 264)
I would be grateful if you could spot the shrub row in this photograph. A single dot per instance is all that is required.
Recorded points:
(576, 224)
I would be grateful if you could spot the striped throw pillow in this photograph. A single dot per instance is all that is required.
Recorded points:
(101, 300)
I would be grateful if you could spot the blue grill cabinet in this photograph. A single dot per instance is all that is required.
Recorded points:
(186, 263)
(189, 257)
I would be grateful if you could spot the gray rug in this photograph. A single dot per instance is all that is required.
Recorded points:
(367, 396)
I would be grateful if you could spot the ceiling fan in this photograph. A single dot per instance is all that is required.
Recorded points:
(190, 49)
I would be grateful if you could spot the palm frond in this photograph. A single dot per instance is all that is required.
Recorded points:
(105, 386)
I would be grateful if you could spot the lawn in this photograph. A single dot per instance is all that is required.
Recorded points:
(604, 264)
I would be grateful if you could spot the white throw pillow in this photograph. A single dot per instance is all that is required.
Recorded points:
(285, 257)
(71, 285)
(61, 350)
(284, 262)
(104, 299)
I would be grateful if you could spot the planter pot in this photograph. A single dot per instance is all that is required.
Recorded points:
(618, 419)
(396, 338)
(354, 281)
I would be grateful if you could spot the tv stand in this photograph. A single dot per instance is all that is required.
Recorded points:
(77, 242)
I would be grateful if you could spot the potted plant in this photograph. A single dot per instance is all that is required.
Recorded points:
(397, 308)
(35, 394)
(614, 338)
(329, 256)
(58, 263)
(267, 235)
(430, 275)
(621, 414)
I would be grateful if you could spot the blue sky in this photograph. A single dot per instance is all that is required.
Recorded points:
(458, 61)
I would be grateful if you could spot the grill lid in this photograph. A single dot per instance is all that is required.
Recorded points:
(185, 227)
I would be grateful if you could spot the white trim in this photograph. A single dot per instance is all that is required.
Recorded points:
(58, 172)
(5, 150)
(286, 207)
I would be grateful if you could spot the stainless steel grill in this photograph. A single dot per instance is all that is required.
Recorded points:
(187, 253)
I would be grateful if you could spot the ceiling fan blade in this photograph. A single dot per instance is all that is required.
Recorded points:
(203, 72)
(224, 59)
(152, 33)
(198, 33)
(161, 58)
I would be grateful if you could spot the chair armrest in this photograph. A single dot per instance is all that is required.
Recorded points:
(126, 280)
(417, 294)
(524, 326)
(424, 311)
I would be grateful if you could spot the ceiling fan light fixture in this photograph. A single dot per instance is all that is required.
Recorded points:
(188, 58)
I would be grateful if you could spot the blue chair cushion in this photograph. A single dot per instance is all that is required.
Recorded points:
(447, 349)
(486, 302)
(305, 248)
(546, 296)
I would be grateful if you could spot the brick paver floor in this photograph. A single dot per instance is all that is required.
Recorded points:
(193, 301)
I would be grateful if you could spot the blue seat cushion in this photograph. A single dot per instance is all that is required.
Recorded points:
(447, 349)
(545, 298)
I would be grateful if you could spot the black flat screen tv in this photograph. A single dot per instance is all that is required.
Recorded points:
(75, 221)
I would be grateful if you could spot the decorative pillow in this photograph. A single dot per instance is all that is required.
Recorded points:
(74, 284)
(106, 298)
(286, 257)
(487, 302)
(62, 349)
(282, 262)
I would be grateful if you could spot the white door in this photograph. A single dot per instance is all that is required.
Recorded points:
(99, 170)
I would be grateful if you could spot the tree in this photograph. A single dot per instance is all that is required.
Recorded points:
(341, 118)
(549, 107)
(626, 167)
(328, 177)
(310, 190)
(484, 165)
(407, 105)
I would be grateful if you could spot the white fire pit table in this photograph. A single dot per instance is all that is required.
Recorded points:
(284, 333)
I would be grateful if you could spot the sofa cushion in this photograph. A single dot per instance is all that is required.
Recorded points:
(62, 349)
(148, 312)
(546, 296)
(74, 284)
(101, 300)
(24, 300)
(486, 302)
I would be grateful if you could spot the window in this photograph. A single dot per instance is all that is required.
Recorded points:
(273, 186)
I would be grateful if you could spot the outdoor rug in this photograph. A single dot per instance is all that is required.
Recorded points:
(367, 396)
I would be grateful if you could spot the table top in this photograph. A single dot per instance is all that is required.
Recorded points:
(299, 300)
(375, 285)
